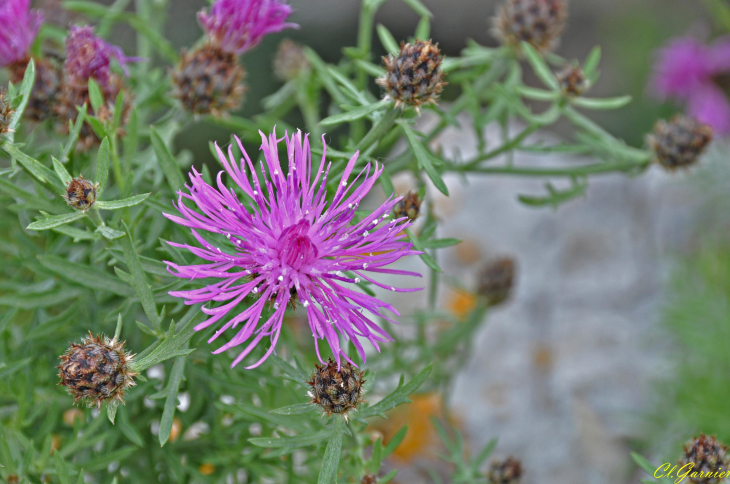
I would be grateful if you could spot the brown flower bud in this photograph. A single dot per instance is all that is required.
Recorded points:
(679, 142)
(537, 22)
(209, 80)
(572, 81)
(47, 85)
(408, 206)
(414, 76)
(496, 280)
(707, 456)
(336, 391)
(507, 471)
(290, 60)
(81, 194)
(96, 371)
(369, 479)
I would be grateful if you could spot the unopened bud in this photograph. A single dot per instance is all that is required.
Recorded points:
(81, 194)
(408, 206)
(537, 22)
(572, 81)
(496, 280)
(679, 142)
(708, 456)
(414, 76)
(336, 391)
(507, 471)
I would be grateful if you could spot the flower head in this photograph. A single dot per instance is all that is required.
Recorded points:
(507, 471)
(414, 76)
(537, 22)
(88, 56)
(686, 71)
(97, 370)
(239, 25)
(287, 242)
(335, 388)
(20, 26)
(679, 142)
(708, 456)
(80, 193)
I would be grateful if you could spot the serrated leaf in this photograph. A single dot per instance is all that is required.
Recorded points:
(605, 103)
(398, 396)
(539, 66)
(292, 442)
(331, 459)
(55, 221)
(117, 204)
(173, 344)
(357, 113)
(167, 161)
(387, 39)
(102, 164)
(34, 167)
(173, 385)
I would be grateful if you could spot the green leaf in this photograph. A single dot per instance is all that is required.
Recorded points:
(388, 477)
(139, 281)
(331, 459)
(387, 39)
(160, 43)
(110, 233)
(398, 396)
(354, 114)
(419, 8)
(643, 463)
(60, 170)
(439, 243)
(25, 88)
(118, 108)
(33, 301)
(536, 94)
(167, 161)
(74, 131)
(295, 374)
(34, 167)
(61, 468)
(292, 442)
(117, 204)
(111, 411)
(85, 275)
(128, 429)
(591, 63)
(606, 103)
(423, 29)
(95, 96)
(173, 344)
(387, 183)
(425, 257)
(296, 409)
(423, 157)
(539, 66)
(395, 442)
(151, 266)
(102, 164)
(7, 370)
(173, 385)
(55, 221)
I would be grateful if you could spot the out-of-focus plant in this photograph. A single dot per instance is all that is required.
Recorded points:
(95, 254)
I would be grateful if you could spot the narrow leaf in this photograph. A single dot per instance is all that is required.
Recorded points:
(55, 221)
(85, 275)
(61, 171)
(423, 157)
(331, 459)
(398, 396)
(102, 164)
(354, 114)
(110, 233)
(139, 281)
(97, 100)
(176, 376)
(117, 204)
(296, 409)
(167, 161)
(539, 66)
(387, 39)
(25, 88)
(293, 442)
(74, 132)
(606, 103)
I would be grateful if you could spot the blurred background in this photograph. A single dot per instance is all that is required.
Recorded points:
(616, 337)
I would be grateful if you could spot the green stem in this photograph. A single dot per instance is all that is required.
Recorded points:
(95, 218)
(508, 146)
(592, 169)
(117, 165)
(379, 129)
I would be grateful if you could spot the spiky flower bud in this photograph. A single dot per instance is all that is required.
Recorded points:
(496, 280)
(97, 370)
(290, 60)
(537, 22)
(81, 194)
(679, 142)
(369, 479)
(46, 88)
(507, 471)
(336, 391)
(6, 113)
(408, 206)
(413, 76)
(209, 80)
(572, 81)
(708, 456)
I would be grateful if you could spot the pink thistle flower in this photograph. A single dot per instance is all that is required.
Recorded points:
(287, 242)
(20, 27)
(686, 70)
(88, 56)
(239, 25)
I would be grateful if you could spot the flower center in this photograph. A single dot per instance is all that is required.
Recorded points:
(296, 249)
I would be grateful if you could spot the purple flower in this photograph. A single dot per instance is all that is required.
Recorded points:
(239, 25)
(686, 70)
(88, 56)
(287, 243)
(20, 26)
